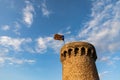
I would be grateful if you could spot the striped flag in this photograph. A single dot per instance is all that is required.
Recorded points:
(59, 37)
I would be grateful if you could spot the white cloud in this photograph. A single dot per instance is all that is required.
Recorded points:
(19, 61)
(14, 43)
(29, 49)
(68, 31)
(107, 59)
(1, 60)
(103, 29)
(5, 27)
(44, 9)
(116, 58)
(17, 28)
(8, 45)
(12, 60)
(28, 13)
(3, 51)
(104, 74)
(43, 43)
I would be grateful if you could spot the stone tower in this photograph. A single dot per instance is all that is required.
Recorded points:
(78, 61)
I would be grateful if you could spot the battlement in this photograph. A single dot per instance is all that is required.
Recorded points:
(77, 49)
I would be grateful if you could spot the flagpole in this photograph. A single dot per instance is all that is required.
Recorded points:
(64, 42)
(64, 39)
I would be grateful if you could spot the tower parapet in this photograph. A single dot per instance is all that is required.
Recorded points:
(77, 49)
(78, 61)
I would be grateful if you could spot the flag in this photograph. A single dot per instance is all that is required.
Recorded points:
(59, 37)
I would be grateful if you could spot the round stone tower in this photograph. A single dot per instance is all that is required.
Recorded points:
(78, 61)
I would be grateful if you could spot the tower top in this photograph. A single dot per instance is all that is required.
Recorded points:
(78, 48)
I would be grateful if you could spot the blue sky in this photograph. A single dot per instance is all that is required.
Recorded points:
(28, 50)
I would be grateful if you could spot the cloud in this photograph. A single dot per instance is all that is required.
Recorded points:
(103, 74)
(3, 51)
(28, 13)
(5, 27)
(107, 59)
(17, 28)
(14, 43)
(12, 60)
(66, 31)
(40, 45)
(117, 58)
(103, 29)
(8, 45)
(19, 61)
(44, 9)
(2, 60)
(43, 43)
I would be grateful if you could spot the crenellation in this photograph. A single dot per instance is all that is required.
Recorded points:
(69, 52)
(82, 51)
(78, 51)
(65, 52)
(89, 52)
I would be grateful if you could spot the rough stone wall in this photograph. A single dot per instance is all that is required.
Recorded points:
(78, 61)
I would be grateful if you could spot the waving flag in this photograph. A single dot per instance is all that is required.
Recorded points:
(59, 37)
